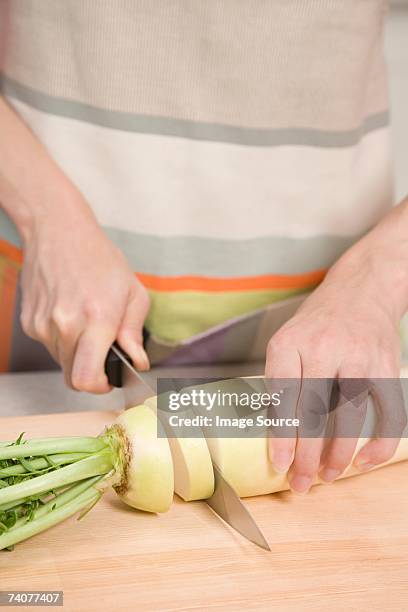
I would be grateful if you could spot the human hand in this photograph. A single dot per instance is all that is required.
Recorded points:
(347, 328)
(80, 295)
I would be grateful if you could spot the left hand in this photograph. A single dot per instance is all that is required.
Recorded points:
(347, 328)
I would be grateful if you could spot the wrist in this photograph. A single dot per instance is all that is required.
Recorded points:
(33, 188)
(46, 208)
(377, 265)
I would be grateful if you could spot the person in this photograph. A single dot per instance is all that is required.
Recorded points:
(232, 154)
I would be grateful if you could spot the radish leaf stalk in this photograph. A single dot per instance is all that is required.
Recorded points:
(42, 482)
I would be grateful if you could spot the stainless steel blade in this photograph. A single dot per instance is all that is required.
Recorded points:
(137, 386)
(226, 504)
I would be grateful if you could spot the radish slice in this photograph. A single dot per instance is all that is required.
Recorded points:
(193, 471)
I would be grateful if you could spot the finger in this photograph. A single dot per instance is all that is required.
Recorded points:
(388, 401)
(130, 334)
(29, 310)
(88, 371)
(375, 453)
(283, 372)
(36, 323)
(349, 417)
(313, 409)
(65, 351)
(66, 326)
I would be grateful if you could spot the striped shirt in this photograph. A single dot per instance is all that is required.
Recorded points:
(232, 149)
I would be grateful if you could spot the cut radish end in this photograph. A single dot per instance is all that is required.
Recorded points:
(193, 471)
(148, 478)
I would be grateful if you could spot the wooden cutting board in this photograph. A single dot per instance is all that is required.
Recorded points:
(343, 546)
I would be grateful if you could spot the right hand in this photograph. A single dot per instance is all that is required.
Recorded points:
(80, 295)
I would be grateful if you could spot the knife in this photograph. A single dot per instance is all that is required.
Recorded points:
(138, 386)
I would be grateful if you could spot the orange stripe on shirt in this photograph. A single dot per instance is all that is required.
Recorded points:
(250, 283)
(11, 252)
(8, 290)
(202, 283)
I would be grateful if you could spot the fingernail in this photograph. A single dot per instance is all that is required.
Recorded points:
(364, 466)
(282, 460)
(142, 358)
(300, 484)
(329, 474)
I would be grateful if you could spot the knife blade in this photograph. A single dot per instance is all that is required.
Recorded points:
(225, 502)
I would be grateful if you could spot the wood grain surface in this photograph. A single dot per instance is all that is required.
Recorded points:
(343, 546)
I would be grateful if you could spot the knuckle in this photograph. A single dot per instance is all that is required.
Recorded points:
(319, 340)
(308, 471)
(126, 335)
(63, 320)
(357, 348)
(278, 342)
(339, 458)
(339, 463)
(41, 328)
(324, 340)
(357, 369)
(307, 463)
(94, 310)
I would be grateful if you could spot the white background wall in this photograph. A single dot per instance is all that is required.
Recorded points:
(396, 45)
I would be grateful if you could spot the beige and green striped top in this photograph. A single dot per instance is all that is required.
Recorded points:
(233, 149)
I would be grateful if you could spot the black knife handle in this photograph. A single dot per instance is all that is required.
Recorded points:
(113, 364)
(113, 369)
(146, 336)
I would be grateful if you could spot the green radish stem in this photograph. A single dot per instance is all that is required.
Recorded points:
(50, 446)
(100, 463)
(85, 499)
(20, 503)
(60, 500)
(42, 482)
(42, 463)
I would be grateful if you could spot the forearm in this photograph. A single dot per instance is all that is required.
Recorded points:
(31, 183)
(379, 262)
(348, 328)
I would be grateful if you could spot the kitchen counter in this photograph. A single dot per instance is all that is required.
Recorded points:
(46, 392)
(342, 547)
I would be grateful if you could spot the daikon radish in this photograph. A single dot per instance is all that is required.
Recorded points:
(246, 466)
(43, 482)
(244, 461)
(193, 471)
